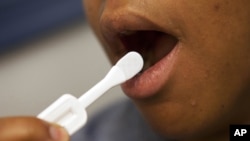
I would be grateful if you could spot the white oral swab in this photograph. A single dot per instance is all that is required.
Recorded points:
(70, 112)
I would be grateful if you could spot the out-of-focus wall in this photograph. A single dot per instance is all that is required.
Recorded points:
(22, 19)
(69, 60)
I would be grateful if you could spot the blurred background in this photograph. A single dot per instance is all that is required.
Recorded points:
(47, 49)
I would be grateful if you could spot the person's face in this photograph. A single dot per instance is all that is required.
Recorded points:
(196, 78)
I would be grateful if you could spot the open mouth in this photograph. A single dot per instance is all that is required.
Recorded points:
(158, 44)
(124, 30)
(152, 45)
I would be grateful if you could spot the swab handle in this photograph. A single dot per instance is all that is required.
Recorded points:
(114, 77)
(67, 112)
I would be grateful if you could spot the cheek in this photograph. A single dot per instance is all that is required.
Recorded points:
(213, 73)
(217, 44)
(92, 10)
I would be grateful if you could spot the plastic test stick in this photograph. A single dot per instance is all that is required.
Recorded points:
(70, 112)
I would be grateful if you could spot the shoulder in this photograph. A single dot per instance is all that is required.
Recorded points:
(120, 121)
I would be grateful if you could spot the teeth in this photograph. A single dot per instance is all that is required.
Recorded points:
(146, 65)
(147, 57)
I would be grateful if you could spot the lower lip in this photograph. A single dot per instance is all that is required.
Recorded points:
(150, 82)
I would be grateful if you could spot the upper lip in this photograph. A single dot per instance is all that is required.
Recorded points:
(117, 26)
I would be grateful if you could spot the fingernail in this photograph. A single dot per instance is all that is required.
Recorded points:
(58, 133)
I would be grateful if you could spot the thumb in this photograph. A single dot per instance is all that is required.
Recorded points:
(30, 128)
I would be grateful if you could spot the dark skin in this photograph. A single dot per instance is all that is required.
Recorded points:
(30, 129)
(206, 86)
(200, 87)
